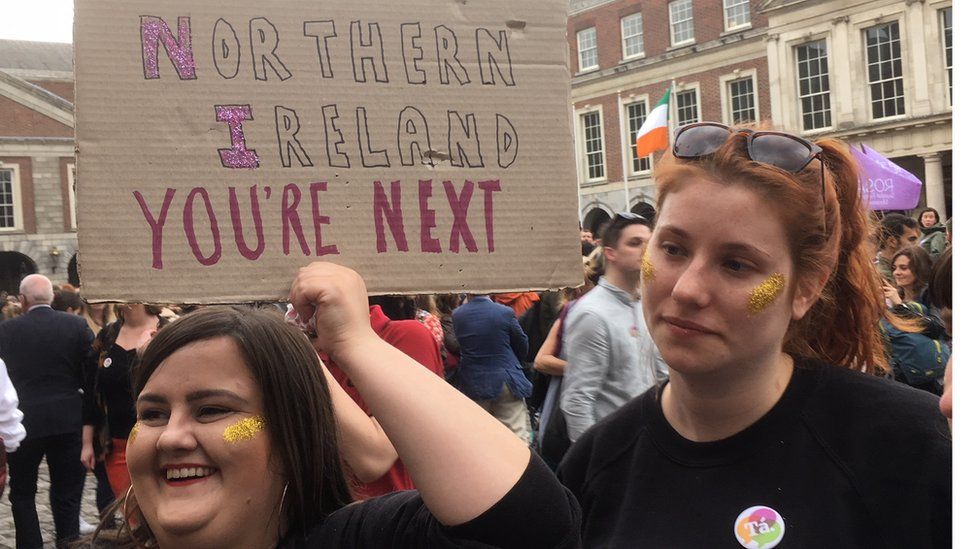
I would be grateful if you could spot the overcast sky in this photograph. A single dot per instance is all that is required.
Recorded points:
(39, 20)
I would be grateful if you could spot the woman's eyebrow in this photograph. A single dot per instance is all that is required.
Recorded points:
(211, 393)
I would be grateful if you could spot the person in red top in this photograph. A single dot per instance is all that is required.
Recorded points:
(414, 340)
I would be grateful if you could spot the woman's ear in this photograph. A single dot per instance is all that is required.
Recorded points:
(807, 292)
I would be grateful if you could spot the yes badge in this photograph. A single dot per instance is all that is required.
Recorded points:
(759, 527)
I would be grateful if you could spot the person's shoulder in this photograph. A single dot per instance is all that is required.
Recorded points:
(857, 414)
(606, 441)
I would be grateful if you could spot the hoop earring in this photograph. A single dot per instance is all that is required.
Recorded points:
(282, 529)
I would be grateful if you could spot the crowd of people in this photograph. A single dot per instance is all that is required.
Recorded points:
(730, 371)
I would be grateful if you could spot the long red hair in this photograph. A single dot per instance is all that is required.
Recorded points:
(827, 232)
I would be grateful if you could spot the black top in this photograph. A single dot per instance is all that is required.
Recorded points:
(536, 513)
(45, 351)
(113, 381)
(844, 459)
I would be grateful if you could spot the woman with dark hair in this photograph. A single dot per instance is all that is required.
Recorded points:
(236, 443)
(933, 231)
(109, 408)
(911, 268)
(760, 293)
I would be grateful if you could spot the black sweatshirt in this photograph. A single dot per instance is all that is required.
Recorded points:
(844, 459)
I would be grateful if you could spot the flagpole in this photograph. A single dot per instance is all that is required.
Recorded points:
(624, 149)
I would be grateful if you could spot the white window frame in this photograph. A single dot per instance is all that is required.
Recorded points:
(830, 92)
(18, 199)
(583, 164)
(626, 127)
(725, 15)
(72, 204)
(945, 50)
(695, 87)
(675, 43)
(724, 81)
(624, 37)
(579, 50)
(862, 37)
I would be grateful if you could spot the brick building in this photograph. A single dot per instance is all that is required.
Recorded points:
(806, 66)
(37, 220)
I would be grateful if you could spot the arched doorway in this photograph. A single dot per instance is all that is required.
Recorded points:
(595, 220)
(14, 267)
(644, 210)
(73, 272)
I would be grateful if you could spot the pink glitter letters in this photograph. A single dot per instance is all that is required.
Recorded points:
(238, 156)
(180, 52)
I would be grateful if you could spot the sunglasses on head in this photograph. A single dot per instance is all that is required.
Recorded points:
(782, 150)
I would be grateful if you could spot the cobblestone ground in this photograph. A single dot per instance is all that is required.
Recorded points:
(88, 510)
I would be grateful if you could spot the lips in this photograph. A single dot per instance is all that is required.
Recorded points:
(686, 327)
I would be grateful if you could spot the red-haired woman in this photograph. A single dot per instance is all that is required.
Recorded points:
(760, 293)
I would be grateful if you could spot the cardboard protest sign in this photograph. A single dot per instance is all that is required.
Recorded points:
(221, 145)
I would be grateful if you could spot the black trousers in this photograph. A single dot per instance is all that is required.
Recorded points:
(63, 453)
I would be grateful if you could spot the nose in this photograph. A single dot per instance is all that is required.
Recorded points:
(692, 286)
(178, 435)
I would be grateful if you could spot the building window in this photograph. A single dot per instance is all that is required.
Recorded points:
(632, 35)
(636, 115)
(742, 101)
(687, 102)
(884, 70)
(593, 145)
(682, 23)
(10, 215)
(736, 14)
(811, 64)
(946, 17)
(72, 207)
(586, 44)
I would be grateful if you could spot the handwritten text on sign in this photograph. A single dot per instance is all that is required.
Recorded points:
(336, 135)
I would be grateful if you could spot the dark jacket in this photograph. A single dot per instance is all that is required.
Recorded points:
(45, 351)
(492, 348)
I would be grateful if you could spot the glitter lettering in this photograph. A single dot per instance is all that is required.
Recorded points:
(238, 156)
(179, 51)
(647, 268)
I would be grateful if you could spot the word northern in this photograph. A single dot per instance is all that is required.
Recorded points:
(367, 51)
(388, 216)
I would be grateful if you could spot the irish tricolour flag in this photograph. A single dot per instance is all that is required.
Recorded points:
(653, 135)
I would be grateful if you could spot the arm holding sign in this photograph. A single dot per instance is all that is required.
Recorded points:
(463, 467)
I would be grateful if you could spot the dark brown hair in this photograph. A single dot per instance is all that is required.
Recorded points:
(940, 283)
(827, 234)
(920, 263)
(297, 406)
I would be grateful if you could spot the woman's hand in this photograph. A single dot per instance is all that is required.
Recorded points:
(88, 456)
(336, 297)
(891, 293)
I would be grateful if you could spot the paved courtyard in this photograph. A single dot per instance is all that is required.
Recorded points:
(88, 510)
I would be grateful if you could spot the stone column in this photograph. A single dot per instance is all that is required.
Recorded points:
(934, 188)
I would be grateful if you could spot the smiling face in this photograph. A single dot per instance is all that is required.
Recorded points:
(902, 272)
(195, 485)
(723, 287)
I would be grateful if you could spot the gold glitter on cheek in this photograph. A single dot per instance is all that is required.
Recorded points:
(647, 268)
(244, 430)
(766, 293)
(133, 432)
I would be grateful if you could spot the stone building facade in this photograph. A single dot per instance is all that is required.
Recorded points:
(37, 220)
(737, 61)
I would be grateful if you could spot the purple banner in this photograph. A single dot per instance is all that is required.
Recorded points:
(884, 184)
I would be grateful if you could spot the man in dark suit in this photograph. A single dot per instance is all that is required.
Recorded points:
(493, 346)
(45, 351)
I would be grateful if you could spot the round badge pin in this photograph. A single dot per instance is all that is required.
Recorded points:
(759, 527)
(107, 363)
